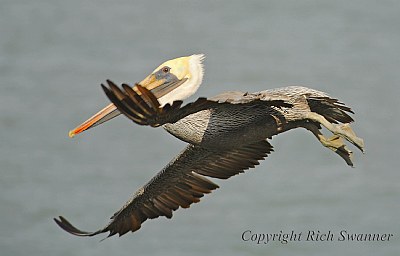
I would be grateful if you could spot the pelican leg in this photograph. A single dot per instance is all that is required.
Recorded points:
(334, 143)
(342, 130)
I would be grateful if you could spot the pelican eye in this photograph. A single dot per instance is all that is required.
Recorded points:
(165, 69)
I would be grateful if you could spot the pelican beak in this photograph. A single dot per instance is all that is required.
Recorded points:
(161, 86)
(157, 85)
(100, 117)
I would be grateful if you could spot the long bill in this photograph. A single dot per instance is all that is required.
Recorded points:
(159, 87)
(104, 115)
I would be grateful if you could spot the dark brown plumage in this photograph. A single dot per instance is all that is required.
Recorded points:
(226, 134)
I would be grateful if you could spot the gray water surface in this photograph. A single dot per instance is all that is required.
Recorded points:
(54, 55)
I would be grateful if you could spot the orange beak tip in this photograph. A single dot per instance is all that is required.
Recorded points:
(71, 134)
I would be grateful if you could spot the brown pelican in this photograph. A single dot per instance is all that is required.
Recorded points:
(226, 135)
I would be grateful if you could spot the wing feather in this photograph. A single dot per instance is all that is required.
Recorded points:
(181, 183)
(144, 109)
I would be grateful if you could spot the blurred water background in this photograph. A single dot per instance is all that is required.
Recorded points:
(54, 55)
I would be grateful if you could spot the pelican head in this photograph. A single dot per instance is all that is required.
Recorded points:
(175, 79)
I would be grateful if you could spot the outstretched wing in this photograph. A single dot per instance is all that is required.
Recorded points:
(179, 184)
(144, 108)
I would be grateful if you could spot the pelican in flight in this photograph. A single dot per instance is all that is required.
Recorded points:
(226, 134)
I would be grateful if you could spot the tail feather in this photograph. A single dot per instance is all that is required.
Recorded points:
(332, 109)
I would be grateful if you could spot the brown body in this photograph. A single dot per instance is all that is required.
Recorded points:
(227, 134)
